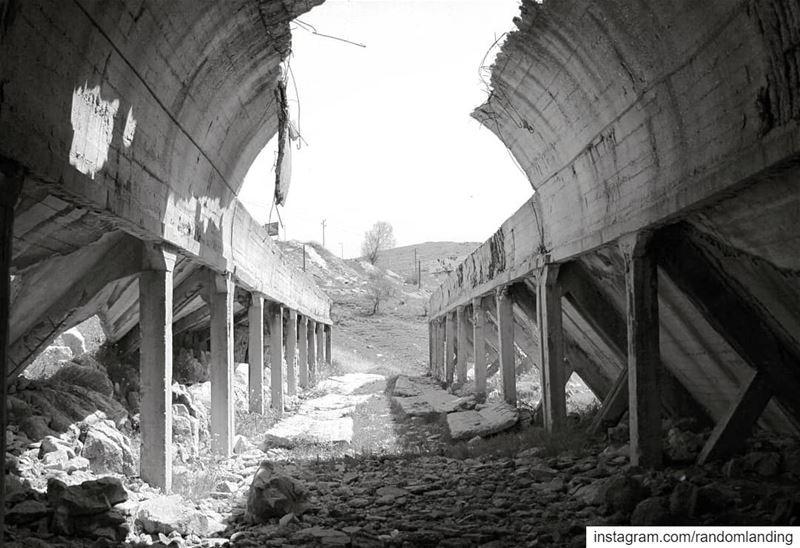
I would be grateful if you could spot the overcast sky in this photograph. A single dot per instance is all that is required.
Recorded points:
(387, 129)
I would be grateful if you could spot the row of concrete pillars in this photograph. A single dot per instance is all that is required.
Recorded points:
(311, 338)
(449, 348)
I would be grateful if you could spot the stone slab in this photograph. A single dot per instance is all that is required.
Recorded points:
(490, 420)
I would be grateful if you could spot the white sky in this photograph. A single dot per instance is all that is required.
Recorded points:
(388, 131)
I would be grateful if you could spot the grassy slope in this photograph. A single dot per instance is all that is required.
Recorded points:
(396, 339)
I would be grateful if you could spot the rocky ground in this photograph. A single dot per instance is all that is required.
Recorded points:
(365, 458)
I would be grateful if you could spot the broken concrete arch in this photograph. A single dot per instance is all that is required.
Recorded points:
(687, 146)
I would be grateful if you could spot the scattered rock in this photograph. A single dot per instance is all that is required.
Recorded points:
(682, 446)
(274, 494)
(623, 493)
(651, 512)
(106, 448)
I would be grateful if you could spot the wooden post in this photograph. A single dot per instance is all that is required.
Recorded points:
(479, 345)
(551, 349)
(311, 346)
(505, 335)
(302, 358)
(328, 343)
(291, 347)
(11, 185)
(449, 348)
(641, 288)
(255, 353)
(463, 352)
(155, 365)
(320, 329)
(276, 356)
(222, 290)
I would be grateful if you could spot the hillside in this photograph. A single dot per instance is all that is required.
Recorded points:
(437, 258)
(396, 338)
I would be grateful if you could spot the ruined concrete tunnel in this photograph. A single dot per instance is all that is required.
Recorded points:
(658, 257)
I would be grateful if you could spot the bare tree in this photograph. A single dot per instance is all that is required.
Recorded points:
(378, 238)
(379, 289)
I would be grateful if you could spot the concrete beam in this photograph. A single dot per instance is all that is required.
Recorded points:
(551, 349)
(291, 351)
(11, 184)
(43, 309)
(255, 353)
(302, 354)
(735, 427)
(155, 364)
(505, 329)
(222, 417)
(641, 288)
(731, 310)
(275, 312)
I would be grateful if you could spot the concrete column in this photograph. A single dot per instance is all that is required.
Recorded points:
(302, 358)
(222, 290)
(291, 346)
(311, 339)
(449, 348)
(551, 349)
(255, 352)
(320, 330)
(155, 365)
(276, 356)
(644, 403)
(463, 347)
(479, 344)
(505, 332)
(430, 348)
(328, 342)
(8, 199)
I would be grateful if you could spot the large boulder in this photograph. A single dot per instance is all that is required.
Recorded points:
(623, 494)
(273, 494)
(491, 419)
(185, 432)
(48, 362)
(73, 339)
(166, 514)
(106, 448)
(87, 509)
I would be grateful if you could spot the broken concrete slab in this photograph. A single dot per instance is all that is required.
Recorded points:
(422, 396)
(491, 419)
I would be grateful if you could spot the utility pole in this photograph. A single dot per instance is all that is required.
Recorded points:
(341, 249)
(419, 275)
(415, 262)
(324, 223)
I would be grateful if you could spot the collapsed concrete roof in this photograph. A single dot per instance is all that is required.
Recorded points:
(133, 124)
(679, 119)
